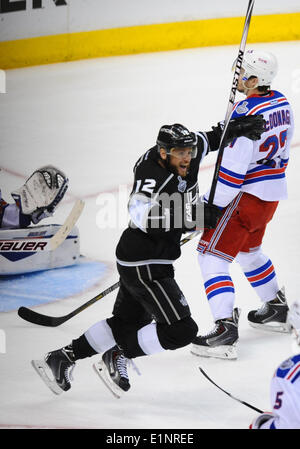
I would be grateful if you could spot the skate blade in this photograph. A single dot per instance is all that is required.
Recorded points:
(102, 372)
(219, 352)
(272, 327)
(42, 369)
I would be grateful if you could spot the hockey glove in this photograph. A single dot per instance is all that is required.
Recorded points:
(205, 216)
(41, 193)
(212, 215)
(250, 126)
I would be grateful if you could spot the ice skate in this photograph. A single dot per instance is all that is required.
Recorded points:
(56, 369)
(272, 315)
(221, 341)
(112, 369)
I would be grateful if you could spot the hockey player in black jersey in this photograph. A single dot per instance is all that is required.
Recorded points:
(150, 313)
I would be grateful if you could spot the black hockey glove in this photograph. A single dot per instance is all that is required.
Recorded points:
(250, 126)
(212, 214)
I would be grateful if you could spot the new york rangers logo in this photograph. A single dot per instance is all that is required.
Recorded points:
(181, 185)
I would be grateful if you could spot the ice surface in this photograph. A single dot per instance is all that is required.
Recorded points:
(93, 119)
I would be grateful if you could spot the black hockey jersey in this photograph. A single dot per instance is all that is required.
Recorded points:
(161, 209)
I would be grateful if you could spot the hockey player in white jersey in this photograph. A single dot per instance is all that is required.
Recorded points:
(285, 385)
(251, 182)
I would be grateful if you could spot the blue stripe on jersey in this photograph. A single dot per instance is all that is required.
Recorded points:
(232, 173)
(295, 377)
(230, 184)
(253, 102)
(264, 178)
(272, 426)
(236, 180)
(269, 108)
(287, 366)
(284, 162)
(264, 167)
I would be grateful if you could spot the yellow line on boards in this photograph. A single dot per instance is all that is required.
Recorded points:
(146, 38)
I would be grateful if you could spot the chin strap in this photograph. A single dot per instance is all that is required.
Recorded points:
(247, 88)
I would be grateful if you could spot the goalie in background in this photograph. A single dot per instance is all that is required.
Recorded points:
(285, 385)
(35, 200)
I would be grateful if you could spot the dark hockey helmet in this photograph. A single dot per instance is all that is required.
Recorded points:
(176, 136)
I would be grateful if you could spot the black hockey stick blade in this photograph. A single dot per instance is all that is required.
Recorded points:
(37, 318)
(51, 321)
(229, 394)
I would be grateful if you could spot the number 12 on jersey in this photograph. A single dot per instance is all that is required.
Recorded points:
(148, 185)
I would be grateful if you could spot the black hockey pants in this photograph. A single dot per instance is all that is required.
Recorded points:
(147, 293)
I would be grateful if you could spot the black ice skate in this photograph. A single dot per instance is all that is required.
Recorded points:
(56, 369)
(272, 315)
(112, 369)
(221, 341)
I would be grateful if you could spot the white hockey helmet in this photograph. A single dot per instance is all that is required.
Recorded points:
(293, 319)
(261, 64)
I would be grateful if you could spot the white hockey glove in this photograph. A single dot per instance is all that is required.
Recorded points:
(41, 193)
(262, 419)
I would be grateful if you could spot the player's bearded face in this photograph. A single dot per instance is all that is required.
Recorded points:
(180, 160)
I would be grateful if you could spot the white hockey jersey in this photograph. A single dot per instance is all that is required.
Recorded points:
(285, 396)
(258, 167)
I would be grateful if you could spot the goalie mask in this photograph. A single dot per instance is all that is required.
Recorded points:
(42, 191)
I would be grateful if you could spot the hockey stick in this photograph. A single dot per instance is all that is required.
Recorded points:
(229, 394)
(51, 321)
(231, 101)
(68, 225)
(43, 244)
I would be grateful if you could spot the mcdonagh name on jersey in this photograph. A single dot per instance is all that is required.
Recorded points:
(278, 118)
